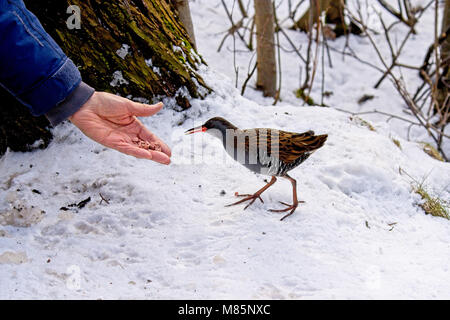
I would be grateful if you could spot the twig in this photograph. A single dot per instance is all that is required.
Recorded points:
(234, 29)
(410, 20)
(242, 9)
(103, 199)
(249, 75)
(322, 87)
(278, 92)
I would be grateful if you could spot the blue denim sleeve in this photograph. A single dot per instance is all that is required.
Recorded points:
(33, 67)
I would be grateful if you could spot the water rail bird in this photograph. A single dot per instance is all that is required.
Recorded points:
(266, 151)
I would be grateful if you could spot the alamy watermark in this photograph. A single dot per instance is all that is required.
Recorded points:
(73, 281)
(256, 148)
(74, 21)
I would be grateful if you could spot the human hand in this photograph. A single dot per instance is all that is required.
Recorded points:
(111, 120)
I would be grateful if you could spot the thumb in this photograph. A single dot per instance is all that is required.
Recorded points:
(144, 110)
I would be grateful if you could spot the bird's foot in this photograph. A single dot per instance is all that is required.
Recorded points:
(237, 194)
(248, 197)
(290, 207)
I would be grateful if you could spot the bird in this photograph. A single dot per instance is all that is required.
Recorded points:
(266, 151)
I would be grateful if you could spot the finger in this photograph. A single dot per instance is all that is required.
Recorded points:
(160, 157)
(145, 154)
(146, 135)
(144, 110)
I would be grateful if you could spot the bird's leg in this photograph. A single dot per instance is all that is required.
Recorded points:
(295, 201)
(256, 195)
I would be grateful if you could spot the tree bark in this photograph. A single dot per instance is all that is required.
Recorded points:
(443, 85)
(141, 40)
(334, 15)
(265, 47)
(19, 130)
(445, 46)
(184, 13)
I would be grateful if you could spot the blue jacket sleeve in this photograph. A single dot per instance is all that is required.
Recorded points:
(33, 67)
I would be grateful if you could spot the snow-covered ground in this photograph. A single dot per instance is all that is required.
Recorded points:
(165, 233)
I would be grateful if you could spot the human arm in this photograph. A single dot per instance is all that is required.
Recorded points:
(34, 69)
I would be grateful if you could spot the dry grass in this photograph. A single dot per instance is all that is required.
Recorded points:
(362, 122)
(431, 151)
(432, 205)
(397, 143)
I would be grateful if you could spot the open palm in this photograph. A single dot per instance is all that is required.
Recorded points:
(112, 121)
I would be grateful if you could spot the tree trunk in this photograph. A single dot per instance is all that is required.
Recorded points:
(19, 130)
(443, 86)
(445, 46)
(135, 48)
(265, 47)
(334, 15)
(184, 13)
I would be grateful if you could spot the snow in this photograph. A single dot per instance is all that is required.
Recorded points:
(118, 79)
(155, 69)
(165, 233)
(123, 51)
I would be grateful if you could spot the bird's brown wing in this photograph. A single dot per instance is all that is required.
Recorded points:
(290, 145)
(294, 145)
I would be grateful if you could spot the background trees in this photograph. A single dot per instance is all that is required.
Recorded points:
(377, 23)
(267, 68)
(334, 13)
(184, 13)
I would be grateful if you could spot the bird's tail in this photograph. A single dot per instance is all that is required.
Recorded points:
(318, 142)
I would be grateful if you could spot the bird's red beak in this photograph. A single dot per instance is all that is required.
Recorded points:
(196, 129)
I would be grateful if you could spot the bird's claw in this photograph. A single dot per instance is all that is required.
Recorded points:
(237, 194)
(290, 207)
(248, 197)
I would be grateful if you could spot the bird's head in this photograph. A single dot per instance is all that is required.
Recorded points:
(220, 124)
